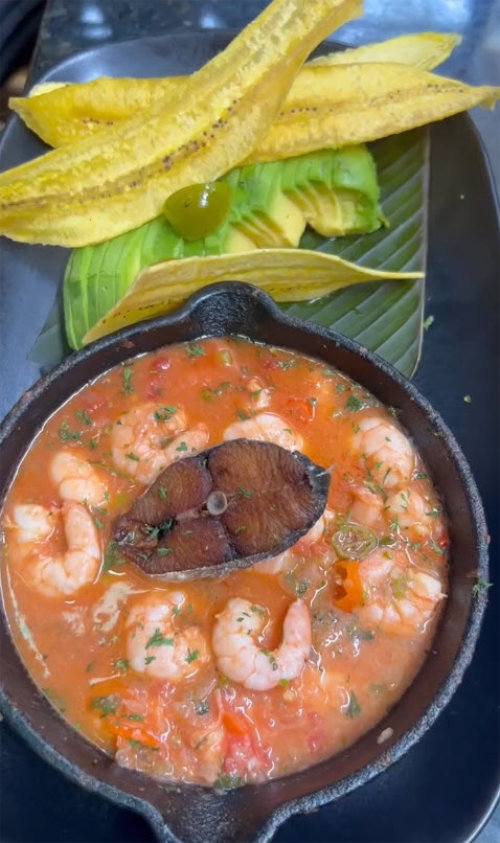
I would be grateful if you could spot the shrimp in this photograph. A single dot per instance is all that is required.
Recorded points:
(411, 511)
(76, 479)
(150, 437)
(241, 659)
(388, 453)
(32, 523)
(63, 574)
(265, 427)
(398, 598)
(367, 507)
(156, 648)
(276, 564)
(261, 395)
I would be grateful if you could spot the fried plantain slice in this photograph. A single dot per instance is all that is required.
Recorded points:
(62, 113)
(286, 274)
(102, 186)
(353, 103)
(423, 50)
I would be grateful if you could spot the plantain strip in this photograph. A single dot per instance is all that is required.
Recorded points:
(102, 186)
(423, 51)
(62, 113)
(286, 274)
(354, 103)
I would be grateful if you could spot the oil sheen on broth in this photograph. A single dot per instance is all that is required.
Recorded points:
(250, 675)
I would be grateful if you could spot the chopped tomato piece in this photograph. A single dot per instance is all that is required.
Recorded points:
(301, 409)
(348, 589)
(234, 724)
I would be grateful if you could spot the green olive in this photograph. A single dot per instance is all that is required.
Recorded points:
(353, 541)
(198, 209)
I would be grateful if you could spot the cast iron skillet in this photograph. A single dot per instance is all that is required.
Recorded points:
(189, 813)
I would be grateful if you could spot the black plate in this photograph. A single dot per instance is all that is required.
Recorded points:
(444, 788)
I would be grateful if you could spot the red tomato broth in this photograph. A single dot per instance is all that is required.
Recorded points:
(208, 728)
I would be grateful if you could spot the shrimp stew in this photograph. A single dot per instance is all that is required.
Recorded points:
(254, 673)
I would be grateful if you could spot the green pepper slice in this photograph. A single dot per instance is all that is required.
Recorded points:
(353, 541)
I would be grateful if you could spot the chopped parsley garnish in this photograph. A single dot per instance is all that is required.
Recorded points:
(353, 709)
(299, 587)
(68, 435)
(302, 587)
(84, 417)
(271, 658)
(192, 655)
(226, 781)
(428, 322)
(122, 664)
(149, 659)
(105, 705)
(162, 493)
(435, 547)
(128, 387)
(399, 586)
(404, 499)
(182, 447)
(133, 457)
(136, 717)
(112, 556)
(288, 364)
(195, 351)
(99, 524)
(245, 493)
(354, 404)
(140, 745)
(242, 415)
(164, 551)
(165, 413)
(375, 488)
(480, 587)
(159, 640)
(420, 475)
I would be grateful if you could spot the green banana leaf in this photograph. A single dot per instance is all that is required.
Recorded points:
(384, 316)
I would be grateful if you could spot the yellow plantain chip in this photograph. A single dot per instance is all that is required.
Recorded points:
(286, 274)
(60, 116)
(353, 103)
(66, 113)
(102, 186)
(424, 51)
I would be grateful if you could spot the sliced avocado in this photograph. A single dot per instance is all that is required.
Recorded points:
(337, 190)
(261, 211)
(334, 191)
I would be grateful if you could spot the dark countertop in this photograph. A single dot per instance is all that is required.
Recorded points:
(69, 27)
